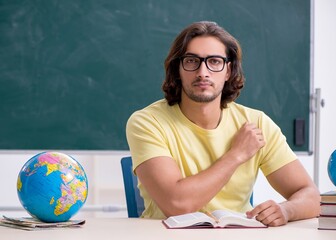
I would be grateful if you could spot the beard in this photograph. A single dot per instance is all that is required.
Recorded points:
(203, 96)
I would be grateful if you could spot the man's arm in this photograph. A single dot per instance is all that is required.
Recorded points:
(295, 185)
(175, 195)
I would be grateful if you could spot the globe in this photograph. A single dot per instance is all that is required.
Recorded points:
(52, 186)
(332, 167)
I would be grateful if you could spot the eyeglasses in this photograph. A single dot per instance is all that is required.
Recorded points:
(213, 63)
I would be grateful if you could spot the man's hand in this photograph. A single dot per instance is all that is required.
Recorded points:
(269, 213)
(247, 142)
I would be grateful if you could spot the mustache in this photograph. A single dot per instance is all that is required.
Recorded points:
(200, 80)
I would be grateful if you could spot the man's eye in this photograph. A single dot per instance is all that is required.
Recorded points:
(215, 61)
(191, 60)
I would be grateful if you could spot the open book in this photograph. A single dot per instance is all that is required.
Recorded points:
(216, 219)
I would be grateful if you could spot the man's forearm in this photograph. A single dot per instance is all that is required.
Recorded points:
(303, 204)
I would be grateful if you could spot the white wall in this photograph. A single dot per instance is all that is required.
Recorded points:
(324, 76)
(104, 172)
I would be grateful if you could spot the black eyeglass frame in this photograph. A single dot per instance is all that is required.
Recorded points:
(205, 59)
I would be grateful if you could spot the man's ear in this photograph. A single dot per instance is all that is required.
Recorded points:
(228, 71)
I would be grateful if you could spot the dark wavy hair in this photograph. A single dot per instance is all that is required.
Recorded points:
(172, 85)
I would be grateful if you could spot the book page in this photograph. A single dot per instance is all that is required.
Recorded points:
(230, 219)
(328, 197)
(226, 213)
(189, 220)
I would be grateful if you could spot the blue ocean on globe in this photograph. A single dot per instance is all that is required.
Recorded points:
(332, 167)
(52, 186)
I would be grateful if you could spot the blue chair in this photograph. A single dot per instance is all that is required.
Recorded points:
(134, 201)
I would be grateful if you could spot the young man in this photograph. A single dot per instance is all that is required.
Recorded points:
(198, 150)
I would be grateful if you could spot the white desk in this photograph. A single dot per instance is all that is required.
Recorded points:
(134, 228)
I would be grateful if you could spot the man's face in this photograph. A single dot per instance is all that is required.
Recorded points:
(203, 85)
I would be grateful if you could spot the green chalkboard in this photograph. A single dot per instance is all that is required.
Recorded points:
(72, 72)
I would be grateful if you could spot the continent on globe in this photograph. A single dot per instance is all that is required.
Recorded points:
(52, 186)
(332, 167)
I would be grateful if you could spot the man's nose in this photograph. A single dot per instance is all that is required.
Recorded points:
(203, 70)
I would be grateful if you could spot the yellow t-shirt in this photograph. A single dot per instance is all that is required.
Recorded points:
(163, 130)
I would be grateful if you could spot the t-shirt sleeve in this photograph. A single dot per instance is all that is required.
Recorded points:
(276, 152)
(145, 137)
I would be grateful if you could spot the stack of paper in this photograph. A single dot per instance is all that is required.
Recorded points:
(29, 223)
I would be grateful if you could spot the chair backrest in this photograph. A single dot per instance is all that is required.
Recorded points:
(134, 201)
